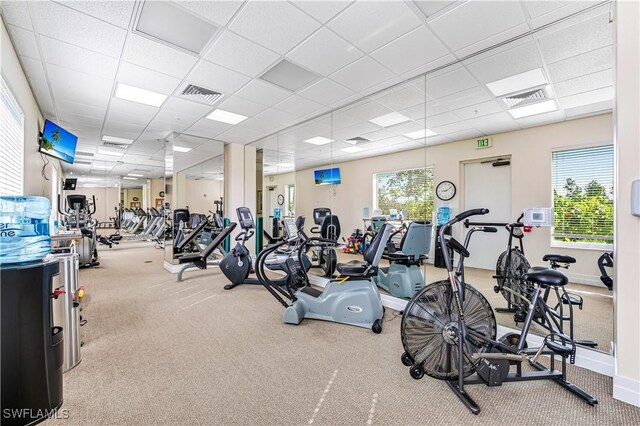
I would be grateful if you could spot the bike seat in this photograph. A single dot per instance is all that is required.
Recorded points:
(558, 258)
(545, 277)
(354, 268)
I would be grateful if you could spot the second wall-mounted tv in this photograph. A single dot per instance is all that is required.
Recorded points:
(327, 176)
(57, 142)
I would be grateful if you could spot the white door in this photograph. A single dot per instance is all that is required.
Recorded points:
(487, 186)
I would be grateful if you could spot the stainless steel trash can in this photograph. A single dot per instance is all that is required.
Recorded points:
(66, 309)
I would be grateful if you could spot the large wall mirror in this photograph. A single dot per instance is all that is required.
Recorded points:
(527, 124)
(192, 187)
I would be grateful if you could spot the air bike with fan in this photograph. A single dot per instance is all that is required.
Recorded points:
(352, 298)
(449, 331)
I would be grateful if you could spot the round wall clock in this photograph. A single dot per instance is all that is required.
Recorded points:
(280, 199)
(446, 190)
(136, 199)
(162, 193)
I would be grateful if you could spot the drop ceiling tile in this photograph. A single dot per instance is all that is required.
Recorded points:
(479, 110)
(16, 13)
(539, 8)
(590, 109)
(494, 123)
(130, 112)
(448, 129)
(158, 57)
(167, 120)
(263, 93)
(407, 127)
(219, 12)
(145, 78)
(241, 106)
(76, 28)
(124, 130)
(587, 63)
(299, 106)
(541, 119)
(441, 120)
(362, 74)
(584, 84)
(416, 112)
(449, 83)
(401, 98)
(65, 107)
(409, 51)
(378, 135)
(326, 92)
(276, 25)
(79, 87)
(79, 59)
(480, 20)
(324, 52)
(114, 12)
(507, 63)
(207, 128)
(458, 100)
(370, 25)
(581, 38)
(432, 7)
(33, 69)
(239, 135)
(276, 117)
(566, 9)
(586, 98)
(240, 54)
(24, 42)
(464, 135)
(87, 122)
(186, 107)
(215, 77)
(323, 11)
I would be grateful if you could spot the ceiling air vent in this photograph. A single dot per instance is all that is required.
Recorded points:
(526, 98)
(116, 145)
(357, 140)
(201, 94)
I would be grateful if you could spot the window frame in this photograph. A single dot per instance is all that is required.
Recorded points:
(375, 186)
(580, 245)
(21, 142)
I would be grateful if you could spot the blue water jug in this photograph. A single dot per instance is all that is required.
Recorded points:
(24, 229)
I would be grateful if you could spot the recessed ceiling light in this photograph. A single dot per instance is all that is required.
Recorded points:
(533, 109)
(181, 148)
(136, 94)
(289, 76)
(116, 139)
(517, 83)
(389, 119)
(134, 175)
(285, 165)
(352, 149)
(130, 178)
(418, 134)
(226, 116)
(319, 140)
(168, 22)
(105, 152)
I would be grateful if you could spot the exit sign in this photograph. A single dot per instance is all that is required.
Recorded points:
(483, 143)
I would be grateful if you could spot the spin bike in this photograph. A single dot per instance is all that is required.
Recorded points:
(449, 331)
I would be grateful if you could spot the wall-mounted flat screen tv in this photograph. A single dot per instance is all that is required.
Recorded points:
(57, 142)
(327, 176)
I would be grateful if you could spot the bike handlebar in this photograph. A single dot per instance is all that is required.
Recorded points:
(472, 212)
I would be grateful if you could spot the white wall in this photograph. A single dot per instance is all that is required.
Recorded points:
(34, 183)
(530, 152)
(200, 195)
(626, 382)
(280, 181)
(107, 200)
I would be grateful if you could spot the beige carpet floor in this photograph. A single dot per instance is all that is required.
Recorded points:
(160, 352)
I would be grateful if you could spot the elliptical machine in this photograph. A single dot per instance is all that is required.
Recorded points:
(323, 249)
(237, 264)
(78, 216)
(352, 299)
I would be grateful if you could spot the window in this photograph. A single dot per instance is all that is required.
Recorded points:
(408, 191)
(290, 200)
(583, 195)
(11, 143)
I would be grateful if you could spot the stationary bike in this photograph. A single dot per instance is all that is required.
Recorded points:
(323, 249)
(449, 332)
(237, 264)
(403, 277)
(352, 299)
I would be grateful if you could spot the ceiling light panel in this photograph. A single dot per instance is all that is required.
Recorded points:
(539, 108)
(107, 152)
(419, 134)
(389, 119)
(134, 175)
(135, 94)
(519, 82)
(169, 23)
(181, 148)
(289, 76)
(130, 178)
(352, 149)
(226, 116)
(319, 140)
